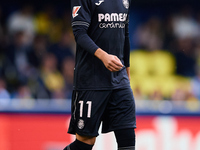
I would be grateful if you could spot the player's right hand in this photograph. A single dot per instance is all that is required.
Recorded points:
(111, 62)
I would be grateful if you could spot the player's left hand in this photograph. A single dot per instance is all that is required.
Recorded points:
(111, 62)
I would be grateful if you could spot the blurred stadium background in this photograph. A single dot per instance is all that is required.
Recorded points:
(36, 73)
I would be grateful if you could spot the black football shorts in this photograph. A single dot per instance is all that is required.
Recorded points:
(114, 108)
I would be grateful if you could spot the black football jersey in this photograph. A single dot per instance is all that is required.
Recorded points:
(100, 24)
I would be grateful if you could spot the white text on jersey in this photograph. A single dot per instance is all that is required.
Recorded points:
(112, 17)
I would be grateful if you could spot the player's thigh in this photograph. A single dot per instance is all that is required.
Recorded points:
(86, 139)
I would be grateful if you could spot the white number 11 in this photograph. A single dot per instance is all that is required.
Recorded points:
(89, 103)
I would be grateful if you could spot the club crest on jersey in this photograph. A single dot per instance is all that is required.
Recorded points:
(81, 124)
(75, 11)
(125, 3)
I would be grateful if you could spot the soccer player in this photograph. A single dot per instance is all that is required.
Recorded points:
(102, 90)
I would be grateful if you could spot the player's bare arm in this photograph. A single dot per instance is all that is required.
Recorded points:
(111, 62)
